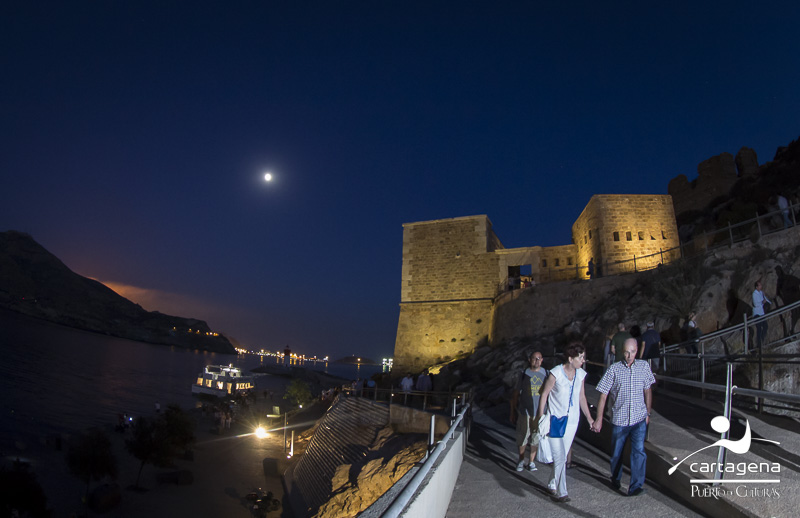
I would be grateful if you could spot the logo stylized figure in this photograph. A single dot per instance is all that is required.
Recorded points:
(722, 425)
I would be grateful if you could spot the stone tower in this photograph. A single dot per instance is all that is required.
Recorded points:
(449, 280)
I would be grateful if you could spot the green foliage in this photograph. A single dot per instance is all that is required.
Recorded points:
(89, 457)
(20, 491)
(674, 291)
(298, 392)
(159, 441)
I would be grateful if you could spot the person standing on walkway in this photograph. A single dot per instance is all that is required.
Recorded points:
(759, 301)
(783, 205)
(629, 383)
(562, 395)
(651, 347)
(524, 403)
(618, 341)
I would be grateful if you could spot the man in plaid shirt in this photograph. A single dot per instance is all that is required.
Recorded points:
(628, 382)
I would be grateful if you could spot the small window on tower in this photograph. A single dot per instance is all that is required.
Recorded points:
(558, 262)
(616, 236)
(544, 263)
(628, 236)
(641, 236)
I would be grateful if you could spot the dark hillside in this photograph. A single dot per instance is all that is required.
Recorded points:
(35, 282)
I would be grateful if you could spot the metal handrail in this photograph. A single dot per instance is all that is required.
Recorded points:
(402, 500)
(734, 328)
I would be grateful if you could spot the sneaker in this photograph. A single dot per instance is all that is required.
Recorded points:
(531, 467)
(560, 499)
(520, 465)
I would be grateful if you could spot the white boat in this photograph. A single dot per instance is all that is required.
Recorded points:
(222, 380)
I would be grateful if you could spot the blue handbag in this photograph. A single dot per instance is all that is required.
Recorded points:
(558, 425)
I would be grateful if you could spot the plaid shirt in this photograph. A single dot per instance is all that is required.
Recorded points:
(627, 385)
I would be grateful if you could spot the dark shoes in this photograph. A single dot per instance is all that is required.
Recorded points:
(560, 499)
(636, 492)
(616, 484)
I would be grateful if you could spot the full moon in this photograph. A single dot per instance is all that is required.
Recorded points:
(268, 177)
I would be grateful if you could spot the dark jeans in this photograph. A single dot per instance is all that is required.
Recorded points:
(619, 434)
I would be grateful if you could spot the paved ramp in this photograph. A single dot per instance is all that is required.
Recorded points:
(488, 484)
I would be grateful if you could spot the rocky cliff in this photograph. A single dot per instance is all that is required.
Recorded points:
(35, 282)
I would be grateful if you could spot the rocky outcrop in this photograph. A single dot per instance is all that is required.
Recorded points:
(35, 282)
(354, 490)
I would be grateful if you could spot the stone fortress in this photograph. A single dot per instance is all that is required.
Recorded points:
(455, 270)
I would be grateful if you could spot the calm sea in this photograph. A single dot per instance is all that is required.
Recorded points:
(54, 379)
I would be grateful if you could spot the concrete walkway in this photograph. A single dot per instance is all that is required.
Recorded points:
(488, 485)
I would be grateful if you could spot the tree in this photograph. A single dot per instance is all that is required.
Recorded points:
(159, 441)
(89, 457)
(298, 392)
(21, 492)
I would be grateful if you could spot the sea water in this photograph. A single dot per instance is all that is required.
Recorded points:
(56, 380)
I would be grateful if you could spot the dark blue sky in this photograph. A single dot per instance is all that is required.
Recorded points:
(134, 137)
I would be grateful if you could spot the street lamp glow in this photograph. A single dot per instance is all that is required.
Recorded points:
(267, 177)
(261, 432)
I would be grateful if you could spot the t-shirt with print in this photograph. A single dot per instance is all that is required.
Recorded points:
(529, 387)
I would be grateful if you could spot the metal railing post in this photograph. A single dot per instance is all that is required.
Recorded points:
(760, 375)
(634, 263)
(719, 473)
(730, 232)
(431, 437)
(746, 333)
(758, 224)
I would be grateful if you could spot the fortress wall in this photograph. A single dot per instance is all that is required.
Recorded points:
(586, 234)
(629, 225)
(556, 263)
(453, 270)
(429, 333)
(449, 279)
(448, 259)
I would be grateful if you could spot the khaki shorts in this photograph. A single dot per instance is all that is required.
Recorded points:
(524, 433)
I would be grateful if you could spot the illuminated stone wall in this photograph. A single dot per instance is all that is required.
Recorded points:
(615, 228)
(454, 269)
(449, 279)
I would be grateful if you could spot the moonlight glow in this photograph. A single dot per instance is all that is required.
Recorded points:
(268, 177)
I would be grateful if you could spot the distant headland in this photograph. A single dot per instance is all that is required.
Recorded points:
(36, 283)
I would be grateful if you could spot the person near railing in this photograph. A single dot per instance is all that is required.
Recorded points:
(590, 268)
(783, 206)
(628, 382)
(650, 349)
(524, 402)
(691, 333)
(424, 383)
(407, 384)
(759, 302)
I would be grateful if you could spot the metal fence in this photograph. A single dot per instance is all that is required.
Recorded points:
(700, 358)
(439, 402)
(730, 390)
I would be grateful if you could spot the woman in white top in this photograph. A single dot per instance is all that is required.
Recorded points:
(563, 393)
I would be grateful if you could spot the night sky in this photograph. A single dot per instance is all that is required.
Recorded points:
(134, 137)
